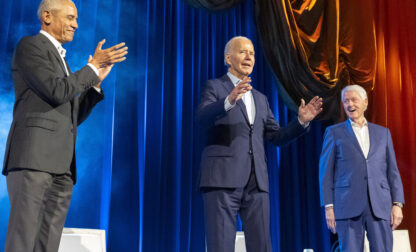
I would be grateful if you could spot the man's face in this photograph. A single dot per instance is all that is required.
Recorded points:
(240, 58)
(63, 22)
(354, 105)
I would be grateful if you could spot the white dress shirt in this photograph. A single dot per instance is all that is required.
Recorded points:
(362, 135)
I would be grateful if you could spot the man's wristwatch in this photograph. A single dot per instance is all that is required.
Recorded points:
(398, 204)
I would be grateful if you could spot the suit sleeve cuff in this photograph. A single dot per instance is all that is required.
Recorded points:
(93, 68)
(97, 89)
(227, 105)
(304, 125)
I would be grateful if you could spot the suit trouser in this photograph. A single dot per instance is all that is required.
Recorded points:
(39, 204)
(351, 232)
(221, 207)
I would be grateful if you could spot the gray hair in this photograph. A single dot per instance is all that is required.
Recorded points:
(360, 90)
(229, 45)
(49, 5)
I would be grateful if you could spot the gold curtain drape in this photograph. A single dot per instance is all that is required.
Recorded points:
(325, 44)
(373, 44)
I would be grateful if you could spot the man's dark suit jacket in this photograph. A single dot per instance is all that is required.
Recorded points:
(232, 141)
(48, 108)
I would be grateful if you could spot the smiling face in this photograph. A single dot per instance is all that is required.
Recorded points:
(354, 105)
(240, 58)
(61, 23)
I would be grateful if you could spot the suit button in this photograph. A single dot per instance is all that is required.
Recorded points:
(250, 152)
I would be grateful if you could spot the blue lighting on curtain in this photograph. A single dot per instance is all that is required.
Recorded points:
(138, 153)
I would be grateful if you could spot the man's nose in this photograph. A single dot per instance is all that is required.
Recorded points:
(75, 25)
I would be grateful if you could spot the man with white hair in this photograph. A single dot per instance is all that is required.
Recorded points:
(360, 184)
(50, 102)
(234, 177)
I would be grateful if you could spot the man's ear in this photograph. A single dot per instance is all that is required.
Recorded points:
(47, 17)
(227, 59)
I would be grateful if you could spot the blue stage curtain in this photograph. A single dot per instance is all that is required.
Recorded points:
(138, 154)
(314, 47)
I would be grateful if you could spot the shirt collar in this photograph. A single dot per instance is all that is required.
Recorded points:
(234, 79)
(56, 43)
(354, 124)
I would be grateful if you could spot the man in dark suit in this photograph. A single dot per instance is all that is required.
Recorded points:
(360, 184)
(50, 102)
(234, 177)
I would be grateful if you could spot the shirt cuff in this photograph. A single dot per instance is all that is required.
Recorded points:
(98, 89)
(304, 125)
(93, 68)
(227, 105)
(329, 205)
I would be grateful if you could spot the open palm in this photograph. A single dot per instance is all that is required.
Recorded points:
(309, 111)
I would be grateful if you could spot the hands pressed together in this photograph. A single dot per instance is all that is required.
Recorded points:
(104, 59)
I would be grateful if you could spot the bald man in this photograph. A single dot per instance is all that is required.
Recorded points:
(234, 176)
(51, 102)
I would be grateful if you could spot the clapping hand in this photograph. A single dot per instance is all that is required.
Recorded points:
(102, 72)
(104, 59)
(112, 55)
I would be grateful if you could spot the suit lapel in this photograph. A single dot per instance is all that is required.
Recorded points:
(67, 67)
(243, 108)
(255, 103)
(226, 82)
(74, 102)
(373, 139)
(352, 137)
(48, 44)
(229, 86)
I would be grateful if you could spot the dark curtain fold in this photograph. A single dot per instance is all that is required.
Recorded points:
(215, 5)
